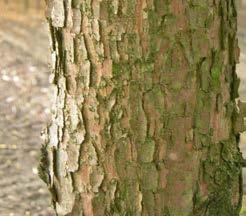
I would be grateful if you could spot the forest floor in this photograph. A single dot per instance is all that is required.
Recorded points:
(24, 110)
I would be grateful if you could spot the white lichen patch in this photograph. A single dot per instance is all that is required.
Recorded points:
(96, 9)
(80, 136)
(95, 29)
(73, 113)
(115, 6)
(67, 197)
(73, 156)
(96, 177)
(85, 71)
(53, 60)
(58, 13)
(76, 21)
(82, 48)
(100, 49)
(69, 47)
(53, 129)
(173, 156)
(92, 155)
(62, 158)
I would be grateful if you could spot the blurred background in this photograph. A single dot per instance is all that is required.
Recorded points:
(25, 102)
(241, 71)
(24, 106)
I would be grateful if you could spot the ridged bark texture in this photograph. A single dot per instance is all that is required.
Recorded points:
(144, 116)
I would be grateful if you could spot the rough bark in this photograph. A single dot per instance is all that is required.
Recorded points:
(144, 116)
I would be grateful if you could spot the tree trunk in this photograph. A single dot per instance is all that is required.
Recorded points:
(144, 116)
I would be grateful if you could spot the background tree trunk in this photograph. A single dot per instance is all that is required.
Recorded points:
(144, 116)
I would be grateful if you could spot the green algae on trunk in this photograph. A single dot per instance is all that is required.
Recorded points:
(145, 118)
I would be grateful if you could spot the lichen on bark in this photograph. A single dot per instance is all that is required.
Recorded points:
(144, 118)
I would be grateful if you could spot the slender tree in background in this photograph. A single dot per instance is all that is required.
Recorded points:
(144, 117)
(26, 5)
